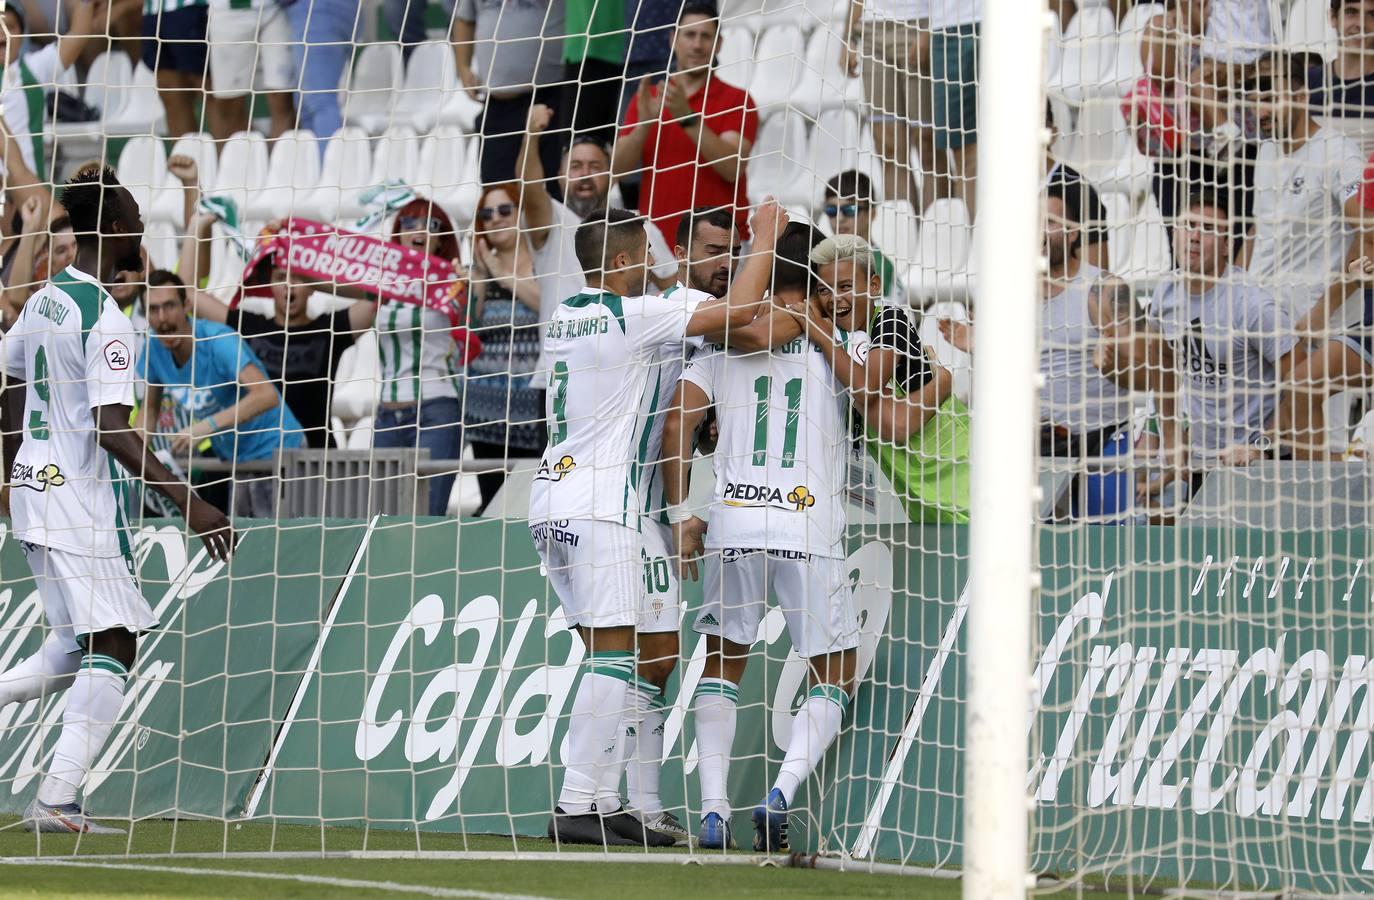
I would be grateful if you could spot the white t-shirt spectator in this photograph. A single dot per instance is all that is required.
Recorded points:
(1301, 236)
(953, 13)
(1076, 396)
(45, 65)
(515, 44)
(1227, 343)
(1238, 31)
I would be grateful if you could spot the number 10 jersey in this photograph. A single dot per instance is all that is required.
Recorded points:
(780, 461)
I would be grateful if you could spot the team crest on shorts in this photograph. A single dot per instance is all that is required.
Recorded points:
(559, 471)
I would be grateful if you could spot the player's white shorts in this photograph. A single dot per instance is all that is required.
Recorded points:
(660, 609)
(84, 595)
(595, 567)
(244, 42)
(813, 593)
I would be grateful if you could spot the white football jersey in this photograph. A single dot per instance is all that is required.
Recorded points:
(666, 369)
(781, 458)
(74, 348)
(600, 348)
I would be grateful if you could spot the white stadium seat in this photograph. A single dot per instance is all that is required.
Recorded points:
(432, 94)
(826, 85)
(735, 61)
(344, 175)
(447, 172)
(1087, 65)
(894, 231)
(939, 270)
(779, 66)
(1309, 29)
(369, 99)
(293, 170)
(396, 156)
(777, 161)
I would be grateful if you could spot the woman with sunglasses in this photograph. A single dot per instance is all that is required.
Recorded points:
(420, 405)
(503, 412)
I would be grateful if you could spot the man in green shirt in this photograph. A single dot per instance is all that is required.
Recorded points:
(593, 66)
(849, 207)
(917, 429)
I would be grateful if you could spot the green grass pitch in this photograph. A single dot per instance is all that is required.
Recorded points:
(157, 860)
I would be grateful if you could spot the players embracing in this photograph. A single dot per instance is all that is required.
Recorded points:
(608, 348)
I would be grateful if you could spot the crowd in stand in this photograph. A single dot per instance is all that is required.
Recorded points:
(591, 104)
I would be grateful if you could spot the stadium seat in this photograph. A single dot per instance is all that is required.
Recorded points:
(834, 147)
(1142, 256)
(396, 156)
(778, 156)
(448, 172)
(110, 72)
(779, 67)
(242, 168)
(142, 168)
(1309, 29)
(357, 382)
(824, 84)
(432, 94)
(735, 61)
(370, 89)
(939, 267)
(1128, 67)
(293, 169)
(344, 175)
(1087, 65)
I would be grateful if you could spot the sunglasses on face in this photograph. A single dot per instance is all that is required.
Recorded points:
(419, 223)
(487, 213)
(849, 210)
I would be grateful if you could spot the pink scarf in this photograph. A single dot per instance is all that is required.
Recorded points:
(393, 273)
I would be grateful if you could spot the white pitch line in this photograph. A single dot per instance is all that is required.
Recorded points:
(322, 880)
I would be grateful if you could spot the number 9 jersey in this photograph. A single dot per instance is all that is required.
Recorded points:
(75, 349)
(781, 459)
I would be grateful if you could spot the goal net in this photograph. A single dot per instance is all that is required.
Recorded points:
(358, 324)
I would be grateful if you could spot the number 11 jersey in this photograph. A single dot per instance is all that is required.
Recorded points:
(780, 460)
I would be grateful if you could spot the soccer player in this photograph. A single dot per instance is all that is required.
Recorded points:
(584, 503)
(707, 245)
(777, 524)
(74, 348)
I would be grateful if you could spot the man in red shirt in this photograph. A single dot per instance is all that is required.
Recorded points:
(692, 134)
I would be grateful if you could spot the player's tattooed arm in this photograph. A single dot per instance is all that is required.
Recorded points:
(684, 417)
(720, 319)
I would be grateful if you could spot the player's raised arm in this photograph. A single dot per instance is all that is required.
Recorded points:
(738, 307)
(684, 417)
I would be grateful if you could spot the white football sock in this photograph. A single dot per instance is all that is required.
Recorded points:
(713, 710)
(46, 672)
(594, 732)
(93, 703)
(644, 749)
(813, 731)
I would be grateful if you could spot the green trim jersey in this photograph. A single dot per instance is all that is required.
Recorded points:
(601, 350)
(781, 460)
(74, 348)
(665, 370)
(417, 354)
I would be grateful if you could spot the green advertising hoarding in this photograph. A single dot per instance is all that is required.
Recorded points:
(1202, 703)
(211, 684)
